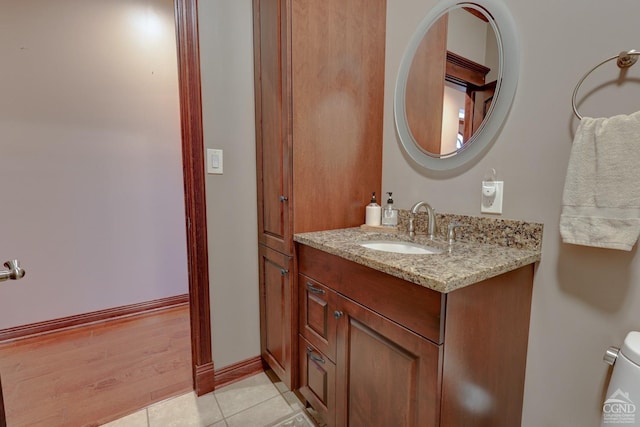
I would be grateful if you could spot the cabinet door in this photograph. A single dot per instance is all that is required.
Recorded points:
(337, 84)
(277, 313)
(317, 319)
(272, 124)
(385, 374)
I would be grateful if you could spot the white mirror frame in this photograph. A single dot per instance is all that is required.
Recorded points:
(509, 60)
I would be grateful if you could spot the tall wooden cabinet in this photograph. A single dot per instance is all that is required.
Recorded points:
(319, 82)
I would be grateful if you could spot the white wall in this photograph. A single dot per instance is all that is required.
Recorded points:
(226, 54)
(91, 197)
(584, 299)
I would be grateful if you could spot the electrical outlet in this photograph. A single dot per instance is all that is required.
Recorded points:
(492, 192)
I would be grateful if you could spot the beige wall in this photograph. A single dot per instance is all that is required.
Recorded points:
(91, 197)
(226, 54)
(584, 299)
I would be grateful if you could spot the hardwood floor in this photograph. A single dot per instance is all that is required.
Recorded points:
(96, 373)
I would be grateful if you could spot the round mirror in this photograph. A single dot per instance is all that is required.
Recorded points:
(456, 82)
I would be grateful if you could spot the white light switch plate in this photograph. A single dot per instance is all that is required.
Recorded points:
(492, 204)
(214, 161)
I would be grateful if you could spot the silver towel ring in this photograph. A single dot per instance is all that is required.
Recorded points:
(624, 60)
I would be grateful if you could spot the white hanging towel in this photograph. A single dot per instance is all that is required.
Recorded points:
(601, 199)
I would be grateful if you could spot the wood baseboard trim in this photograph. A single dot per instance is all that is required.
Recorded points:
(204, 379)
(237, 371)
(46, 327)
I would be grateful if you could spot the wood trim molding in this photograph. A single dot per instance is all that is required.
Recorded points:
(204, 378)
(237, 371)
(464, 70)
(41, 328)
(186, 14)
(477, 13)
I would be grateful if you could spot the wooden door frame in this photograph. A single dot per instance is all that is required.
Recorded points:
(186, 16)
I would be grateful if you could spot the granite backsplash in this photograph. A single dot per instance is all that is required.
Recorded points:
(493, 231)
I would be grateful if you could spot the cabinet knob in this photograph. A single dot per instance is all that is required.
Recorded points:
(284, 272)
(338, 314)
(283, 199)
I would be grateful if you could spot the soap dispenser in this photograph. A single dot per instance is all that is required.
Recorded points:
(373, 211)
(389, 214)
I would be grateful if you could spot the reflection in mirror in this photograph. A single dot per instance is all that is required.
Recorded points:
(456, 82)
(452, 80)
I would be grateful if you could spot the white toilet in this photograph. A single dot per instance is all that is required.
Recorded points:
(622, 404)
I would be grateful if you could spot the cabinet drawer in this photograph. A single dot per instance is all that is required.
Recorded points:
(317, 380)
(415, 307)
(317, 320)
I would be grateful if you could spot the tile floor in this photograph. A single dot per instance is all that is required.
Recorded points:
(255, 401)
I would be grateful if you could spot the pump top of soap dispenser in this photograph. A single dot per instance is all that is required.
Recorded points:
(373, 198)
(389, 200)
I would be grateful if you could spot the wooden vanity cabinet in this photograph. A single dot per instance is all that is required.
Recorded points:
(319, 83)
(408, 355)
(343, 343)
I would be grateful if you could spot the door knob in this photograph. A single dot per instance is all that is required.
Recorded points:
(13, 271)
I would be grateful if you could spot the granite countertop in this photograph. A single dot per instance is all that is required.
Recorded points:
(461, 264)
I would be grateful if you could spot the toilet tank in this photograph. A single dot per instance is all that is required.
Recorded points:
(623, 394)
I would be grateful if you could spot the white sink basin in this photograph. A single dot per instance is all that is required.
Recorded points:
(399, 247)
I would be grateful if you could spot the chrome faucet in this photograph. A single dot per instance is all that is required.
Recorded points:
(431, 227)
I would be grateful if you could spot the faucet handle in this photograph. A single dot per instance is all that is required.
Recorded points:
(411, 226)
(451, 230)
